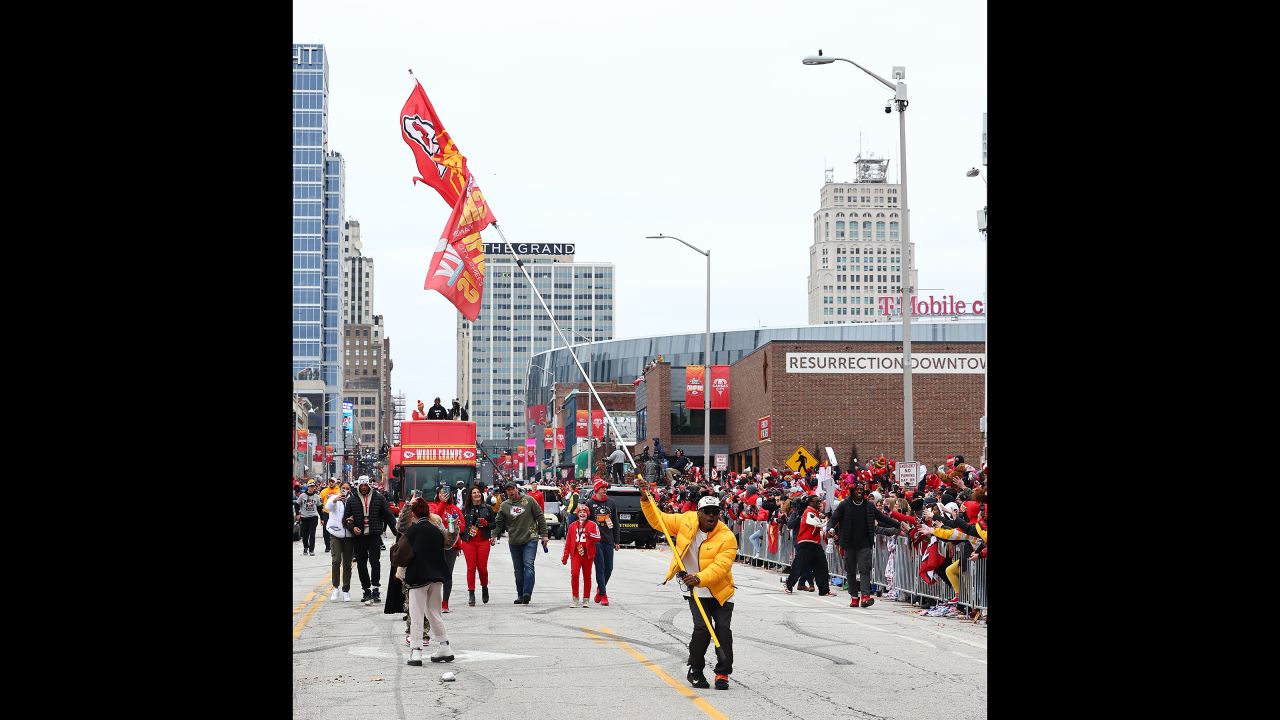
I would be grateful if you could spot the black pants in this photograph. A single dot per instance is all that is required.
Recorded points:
(861, 559)
(617, 473)
(810, 560)
(721, 618)
(450, 557)
(368, 558)
(324, 522)
(308, 531)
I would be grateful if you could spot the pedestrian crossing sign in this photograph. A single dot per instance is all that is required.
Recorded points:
(810, 462)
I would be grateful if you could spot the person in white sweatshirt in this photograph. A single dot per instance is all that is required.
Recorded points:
(344, 544)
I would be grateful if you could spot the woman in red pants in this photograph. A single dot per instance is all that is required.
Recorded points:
(476, 542)
(580, 545)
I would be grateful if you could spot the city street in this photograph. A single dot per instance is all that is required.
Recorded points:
(795, 656)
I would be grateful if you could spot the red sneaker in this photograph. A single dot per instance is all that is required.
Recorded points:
(853, 601)
(868, 601)
(597, 597)
(444, 606)
(604, 599)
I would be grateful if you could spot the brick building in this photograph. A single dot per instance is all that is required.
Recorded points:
(845, 407)
(844, 391)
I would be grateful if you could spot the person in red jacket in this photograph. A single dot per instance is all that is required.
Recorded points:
(454, 523)
(536, 494)
(809, 549)
(580, 546)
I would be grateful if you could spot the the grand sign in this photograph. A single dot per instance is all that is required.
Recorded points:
(530, 248)
(872, 363)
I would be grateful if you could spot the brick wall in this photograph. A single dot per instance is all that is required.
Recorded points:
(843, 410)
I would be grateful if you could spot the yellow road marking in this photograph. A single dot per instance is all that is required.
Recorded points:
(701, 704)
(320, 598)
(307, 599)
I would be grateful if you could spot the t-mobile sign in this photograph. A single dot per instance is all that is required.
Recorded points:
(947, 305)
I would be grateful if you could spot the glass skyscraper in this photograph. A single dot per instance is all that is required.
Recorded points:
(317, 242)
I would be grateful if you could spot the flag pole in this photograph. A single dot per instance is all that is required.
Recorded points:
(608, 418)
(617, 435)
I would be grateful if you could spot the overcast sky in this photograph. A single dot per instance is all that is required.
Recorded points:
(599, 123)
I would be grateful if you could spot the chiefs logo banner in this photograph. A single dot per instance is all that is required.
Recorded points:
(694, 386)
(597, 424)
(457, 265)
(442, 166)
(582, 424)
(559, 438)
(719, 387)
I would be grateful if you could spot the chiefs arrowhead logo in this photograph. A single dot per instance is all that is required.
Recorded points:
(409, 455)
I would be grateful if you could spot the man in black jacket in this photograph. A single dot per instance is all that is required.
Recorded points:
(369, 514)
(437, 412)
(854, 524)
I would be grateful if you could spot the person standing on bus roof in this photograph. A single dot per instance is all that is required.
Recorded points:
(437, 412)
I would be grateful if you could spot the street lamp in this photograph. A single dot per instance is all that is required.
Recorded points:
(982, 227)
(706, 362)
(899, 100)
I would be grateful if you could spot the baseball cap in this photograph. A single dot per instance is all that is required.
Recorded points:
(709, 501)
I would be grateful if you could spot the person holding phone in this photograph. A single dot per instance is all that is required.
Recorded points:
(342, 544)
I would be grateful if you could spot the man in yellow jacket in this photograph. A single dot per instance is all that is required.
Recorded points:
(707, 547)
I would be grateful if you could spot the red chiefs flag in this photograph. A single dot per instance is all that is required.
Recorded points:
(597, 424)
(457, 266)
(694, 386)
(582, 424)
(719, 387)
(559, 438)
(442, 166)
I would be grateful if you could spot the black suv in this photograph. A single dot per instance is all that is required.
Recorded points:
(633, 527)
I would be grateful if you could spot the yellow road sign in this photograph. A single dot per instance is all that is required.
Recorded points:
(810, 462)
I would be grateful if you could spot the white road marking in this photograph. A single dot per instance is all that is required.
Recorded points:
(873, 627)
(969, 657)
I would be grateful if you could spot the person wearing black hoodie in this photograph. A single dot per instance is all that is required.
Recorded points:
(854, 522)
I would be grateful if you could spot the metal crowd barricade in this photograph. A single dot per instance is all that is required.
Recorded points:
(907, 583)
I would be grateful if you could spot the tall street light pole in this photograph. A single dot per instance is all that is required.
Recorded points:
(900, 101)
(982, 227)
(706, 363)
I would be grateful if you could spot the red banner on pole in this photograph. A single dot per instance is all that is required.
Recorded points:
(597, 424)
(764, 428)
(719, 387)
(559, 438)
(530, 452)
(536, 414)
(694, 386)
(302, 441)
(582, 424)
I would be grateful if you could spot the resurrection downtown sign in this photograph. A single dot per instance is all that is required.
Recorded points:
(939, 363)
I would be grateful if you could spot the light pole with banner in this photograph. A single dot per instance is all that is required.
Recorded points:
(706, 361)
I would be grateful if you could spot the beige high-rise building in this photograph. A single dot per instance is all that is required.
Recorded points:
(856, 256)
(357, 277)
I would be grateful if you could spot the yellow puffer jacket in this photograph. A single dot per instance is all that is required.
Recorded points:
(715, 555)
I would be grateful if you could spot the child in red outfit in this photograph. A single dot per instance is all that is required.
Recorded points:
(580, 545)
